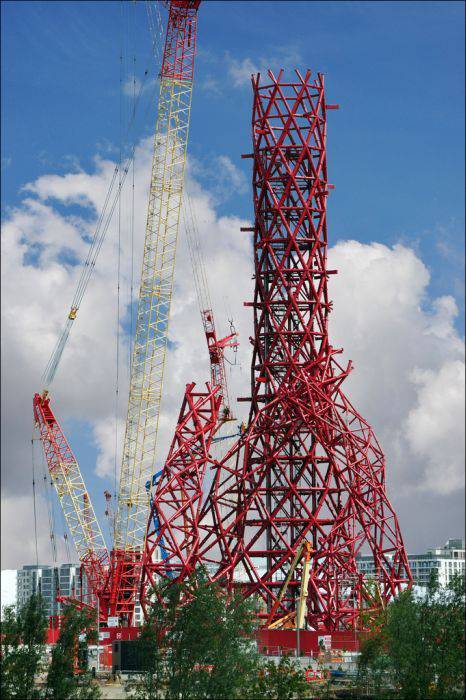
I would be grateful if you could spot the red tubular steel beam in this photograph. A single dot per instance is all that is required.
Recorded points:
(308, 467)
(174, 520)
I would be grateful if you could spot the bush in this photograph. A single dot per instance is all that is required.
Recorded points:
(418, 649)
(23, 636)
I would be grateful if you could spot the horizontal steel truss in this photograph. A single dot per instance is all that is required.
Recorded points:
(308, 466)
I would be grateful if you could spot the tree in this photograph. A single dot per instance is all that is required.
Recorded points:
(447, 625)
(418, 649)
(68, 676)
(152, 657)
(197, 643)
(211, 653)
(23, 637)
(282, 681)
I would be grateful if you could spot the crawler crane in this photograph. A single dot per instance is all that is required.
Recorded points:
(113, 576)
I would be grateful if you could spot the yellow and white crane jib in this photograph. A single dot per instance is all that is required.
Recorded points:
(149, 353)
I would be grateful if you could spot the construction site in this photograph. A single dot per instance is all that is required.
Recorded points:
(274, 494)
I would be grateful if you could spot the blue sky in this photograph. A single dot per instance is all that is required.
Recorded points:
(395, 147)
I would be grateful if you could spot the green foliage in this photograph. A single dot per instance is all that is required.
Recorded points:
(210, 651)
(205, 648)
(282, 681)
(64, 680)
(23, 636)
(418, 650)
(152, 655)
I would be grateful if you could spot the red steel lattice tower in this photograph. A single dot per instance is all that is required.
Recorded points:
(308, 467)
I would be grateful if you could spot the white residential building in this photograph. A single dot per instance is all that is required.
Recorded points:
(446, 561)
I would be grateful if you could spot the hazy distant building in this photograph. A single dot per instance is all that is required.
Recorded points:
(65, 579)
(446, 561)
(50, 581)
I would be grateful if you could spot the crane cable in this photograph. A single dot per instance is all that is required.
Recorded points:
(34, 498)
(117, 377)
(196, 256)
(49, 510)
(199, 271)
(157, 39)
(97, 241)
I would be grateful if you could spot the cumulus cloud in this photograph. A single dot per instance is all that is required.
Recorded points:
(241, 70)
(408, 360)
(41, 244)
(224, 177)
(435, 426)
(407, 354)
(211, 85)
(108, 437)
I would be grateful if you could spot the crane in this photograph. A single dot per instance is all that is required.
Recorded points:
(150, 345)
(74, 499)
(215, 346)
(113, 576)
(298, 616)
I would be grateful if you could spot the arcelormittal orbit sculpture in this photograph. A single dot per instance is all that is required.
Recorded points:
(307, 468)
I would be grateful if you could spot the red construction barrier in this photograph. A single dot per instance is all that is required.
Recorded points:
(279, 642)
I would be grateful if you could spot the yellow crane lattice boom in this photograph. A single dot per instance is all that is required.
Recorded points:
(165, 199)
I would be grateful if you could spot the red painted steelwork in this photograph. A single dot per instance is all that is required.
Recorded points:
(180, 41)
(114, 578)
(177, 500)
(216, 349)
(308, 466)
(60, 460)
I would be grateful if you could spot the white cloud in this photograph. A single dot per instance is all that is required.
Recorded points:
(135, 88)
(8, 588)
(401, 342)
(38, 285)
(435, 426)
(224, 177)
(241, 70)
(109, 435)
(210, 85)
(405, 348)
(18, 538)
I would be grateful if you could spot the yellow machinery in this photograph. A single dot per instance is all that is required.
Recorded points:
(296, 618)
